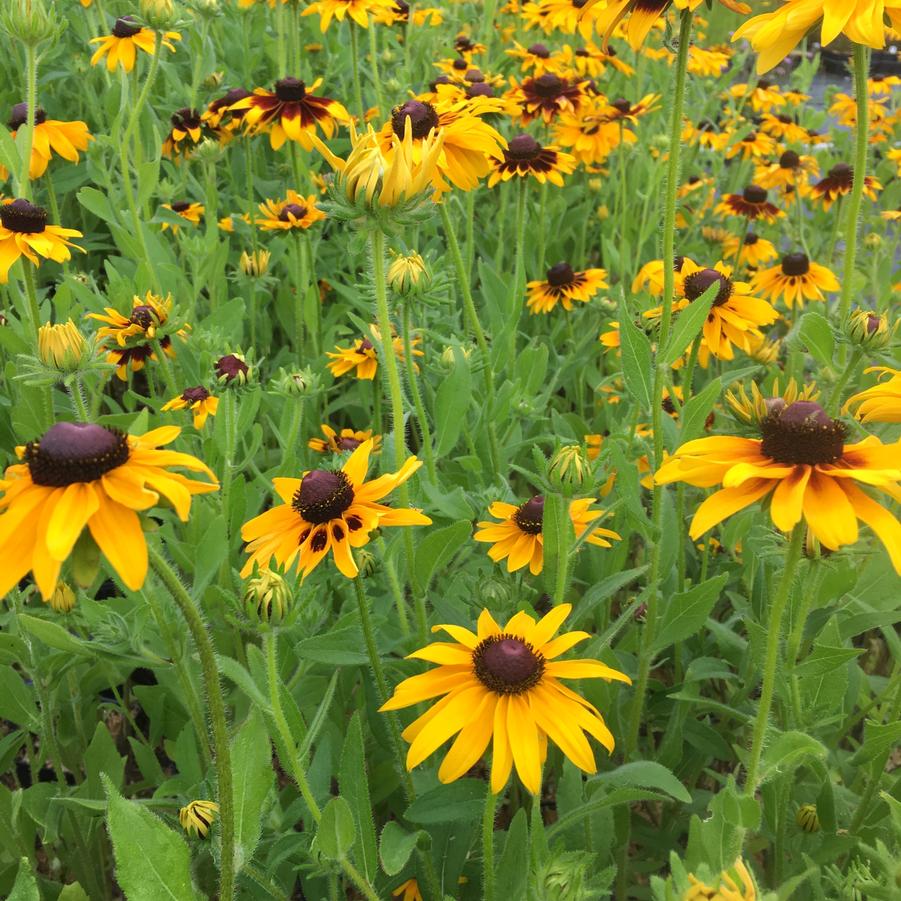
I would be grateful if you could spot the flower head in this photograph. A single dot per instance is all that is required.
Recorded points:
(751, 204)
(345, 441)
(196, 817)
(563, 285)
(198, 400)
(61, 346)
(882, 402)
(525, 157)
(127, 37)
(795, 280)
(838, 182)
(502, 685)
(24, 232)
(294, 212)
(50, 136)
(358, 11)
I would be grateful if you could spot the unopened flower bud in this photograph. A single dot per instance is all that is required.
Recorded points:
(807, 818)
(158, 14)
(569, 468)
(267, 597)
(32, 22)
(256, 263)
(408, 274)
(210, 8)
(595, 184)
(367, 563)
(868, 330)
(232, 369)
(61, 346)
(873, 240)
(62, 600)
(208, 151)
(603, 212)
(300, 383)
(448, 358)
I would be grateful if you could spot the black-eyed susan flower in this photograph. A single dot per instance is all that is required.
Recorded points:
(128, 340)
(121, 46)
(591, 134)
(795, 280)
(502, 685)
(562, 284)
(294, 212)
(518, 538)
(359, 357)
(752, 204)
(50, 136)
(547, 96)
(707, 134)
(790, 170)
(357, 10)
(196, 817)
(198, 400)
(622, 109)
(754, 408)
(184, 135)
(868, 329)
(24, 232)
(763, 96)
(754, 249)
(408, 274)
(783, 128)
(708, 62)
(650, 276)
(232, 368)
(732, 884)
(342, 442)
(802, 462)
(525, 157)
(327, 510)
(191, 211)
(292, 112)
(219, 115)
(773, 35)
(611, 338)
(838, 182)
(80, 475)
(881, 402)
(753, 146)
(408, 891)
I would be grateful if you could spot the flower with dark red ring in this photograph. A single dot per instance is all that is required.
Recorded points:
(547, 96)
(219, 113)
(232, 368)
(563, 285)
(752, 203)
(185, 134)
(525, 157)
(838, 182)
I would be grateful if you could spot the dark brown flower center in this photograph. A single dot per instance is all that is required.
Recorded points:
(180, 206)
(529, 517)
(18, 116)
(70, 452)
(523, 147)
(507, 665)
(348, 443)
(233, 96)
(186, 118)
(622, 105)
(540, 51)
(789, 160)
(802, 433)
(795, 264)
(560, 275)
(323, 495)
(195, 395)
(873, 323)
(698, 282)
(474, 76)
(548, 86)
(230, 367)
(750, 137)
(841, 171)
(764, 84)
(678, 262)
(125, 27)
(754, 194)
(482, 89)
(292, 209)
(365, 344)
(23, 217)
(463, 44)
(287, 89)
(751, 238)
(423, 118)
(143, 316)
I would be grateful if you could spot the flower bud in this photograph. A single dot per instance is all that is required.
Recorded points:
(208, 151)
(873, 240)
(300, 383)
(807, 818)
(63, 598)
(603, 212)
(256, 263)
(448, 359)
(595, 184)
(408, 274)
(367, 563)
(158, 14)
(267, 597)
(765, 352)
(32, 22)
(232, 369)
(61, 346)
(868, 330)
(209, 8)
(569, 468)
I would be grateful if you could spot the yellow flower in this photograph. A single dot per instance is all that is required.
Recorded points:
(754, 250)
(24, 232)
(734, 884)
(347, 440)
(197, 816)
(201, 403)
(327, 510)
(804, 464)
(773, 35)
(563, 285)
(796, 280)
(79, 475)
(294, 212)
(361, 356)
(751, 204)
(189, 211)
(839, 181)
(185, 134)
(502, 685)
(409, 890)
(754, 409)
(407, 272)
(120, 48)
(882, 402)
(61, 346)
(524, 156)
(518, 538)
(62, 600)
(255, 263)
(547, 96)
(358, 10)
(50, 135)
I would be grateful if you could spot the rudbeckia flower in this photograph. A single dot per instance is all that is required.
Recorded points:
(733, 884)
(783, 128)
(763, 97)
(50, 135)
(198, 400)
(752, 204)
(754, 250)
(294, 212)
(502, 685)
(773, 35)
(362, 358)
(796, 280)
(358, 10)
(408, 891)
(343, 441)
(24, 233)
(754, 145)
(291, 113)
(327, 510)
(650, 276)
(547, 96)
(120, 48)
(197, 816)
(591, 134)
(519, 539)
(790, 170)
(563, 285)
(190, 211)
(802, 462)
(219, 115)
(185, 134)
(79, 475)
(525, 157)
(882, 402)
(838, 182)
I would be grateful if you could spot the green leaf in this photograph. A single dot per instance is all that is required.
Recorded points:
(816, 333)
(234, 671)
(25, 887)
(436, 549)
(102, 759)
(461, 800)
(451, 403)
(645, 774)
(687, 325)
(687, 611)
(878, 740)
(618, 796)
(152, 861)
(73, 892)
(336, 833)
(340, 647)
(512, 873)
(97, 203)
(354, 785)
(9, 154)
(638, 370)
(823, 660)
(788, 751)
(697, 409)
(251, 756)
(17, 702)
(557, 533)
(396, 845)
(54, 635)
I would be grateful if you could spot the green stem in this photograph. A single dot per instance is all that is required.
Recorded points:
(488, 816)
(517, 287)
(297, 32)
(221, 750)
(79, 405)
(847, 371)
(281, 46)
(669, 236)
(355, 63)
(410, 367)
(774, 635)
(861, 64)
(33, 310)
(376, 75)
(31, 99)
(300, 293)
(54, 211)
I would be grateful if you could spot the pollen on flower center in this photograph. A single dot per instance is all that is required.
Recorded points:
(523, 147)
(802, 433)
(795, 264)
(125, 27)
(23, 217)
(698, 282)
(507, 665)
(530, 515)
(287, 89)
(18, 116)
(70, 452)
(323, 495)
(560, 275)
(143, 316)
(540, 51)
(292, 209)
(423, 118)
